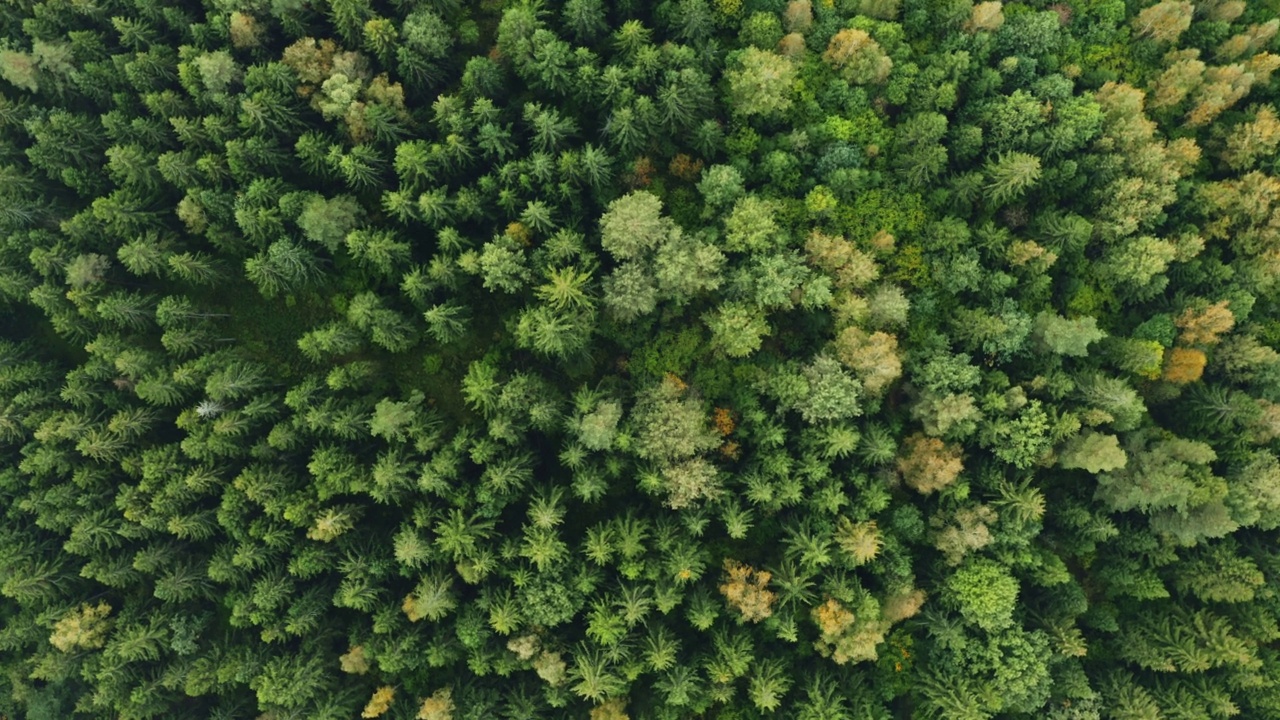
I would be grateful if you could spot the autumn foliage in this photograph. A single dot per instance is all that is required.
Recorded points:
(380, 703)
(928, 464)
(1184, 365)
(744, 589)
(1205, 326)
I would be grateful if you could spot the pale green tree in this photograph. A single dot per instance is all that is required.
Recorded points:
(750, 226)
(685, 266)
(1094, 452)
(858, 57)
(721, 185)
(761, 83)
(737, 329)
(670, 424)
(630, 291)
(633, 225)
(1067, 337)
(328, 220)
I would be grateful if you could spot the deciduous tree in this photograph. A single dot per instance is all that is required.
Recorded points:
(858, 57)
(745, 589)
(872, 356)
(928, 464)
(984, 592)
(1164, 21)
(761, 84)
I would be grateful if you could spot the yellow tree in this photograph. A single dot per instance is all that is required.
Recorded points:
(437, 707)
(244, 30)
(1184, 71)
(1262, 65)
(986, 16)
(798, 17)
(1252, 140)
(1223, 87)
(380, 703)
(354, 661)
(850, 267)
(1164, 21)
(1250, 41)
(1223, 11)
(928, 464)
(1205, 326)
(861, 541)
(791, 46)
(615, 709)
(1184, 365)
(744, 589)
(849, 636)
(85, 627)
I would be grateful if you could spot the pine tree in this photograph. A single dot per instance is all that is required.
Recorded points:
(1011, 174)
(283, 268)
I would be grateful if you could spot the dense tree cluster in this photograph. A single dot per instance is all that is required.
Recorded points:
(833, 360)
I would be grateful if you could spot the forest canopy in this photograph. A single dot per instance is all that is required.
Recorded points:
(609, 359)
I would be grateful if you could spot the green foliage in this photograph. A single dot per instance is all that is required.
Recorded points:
(1218, 573)
(532, 359)
(830, 391)
(629, 292)
(1160, 474)
(1067, 337)
(761, 83)
(737, 329)
(597, 429)
(985, 594)
(720, 185)
(750, 226)
(670, 424)
(1010, 175)
(327, 221)
(218, 70)
(634, 225)
(1094, 452)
